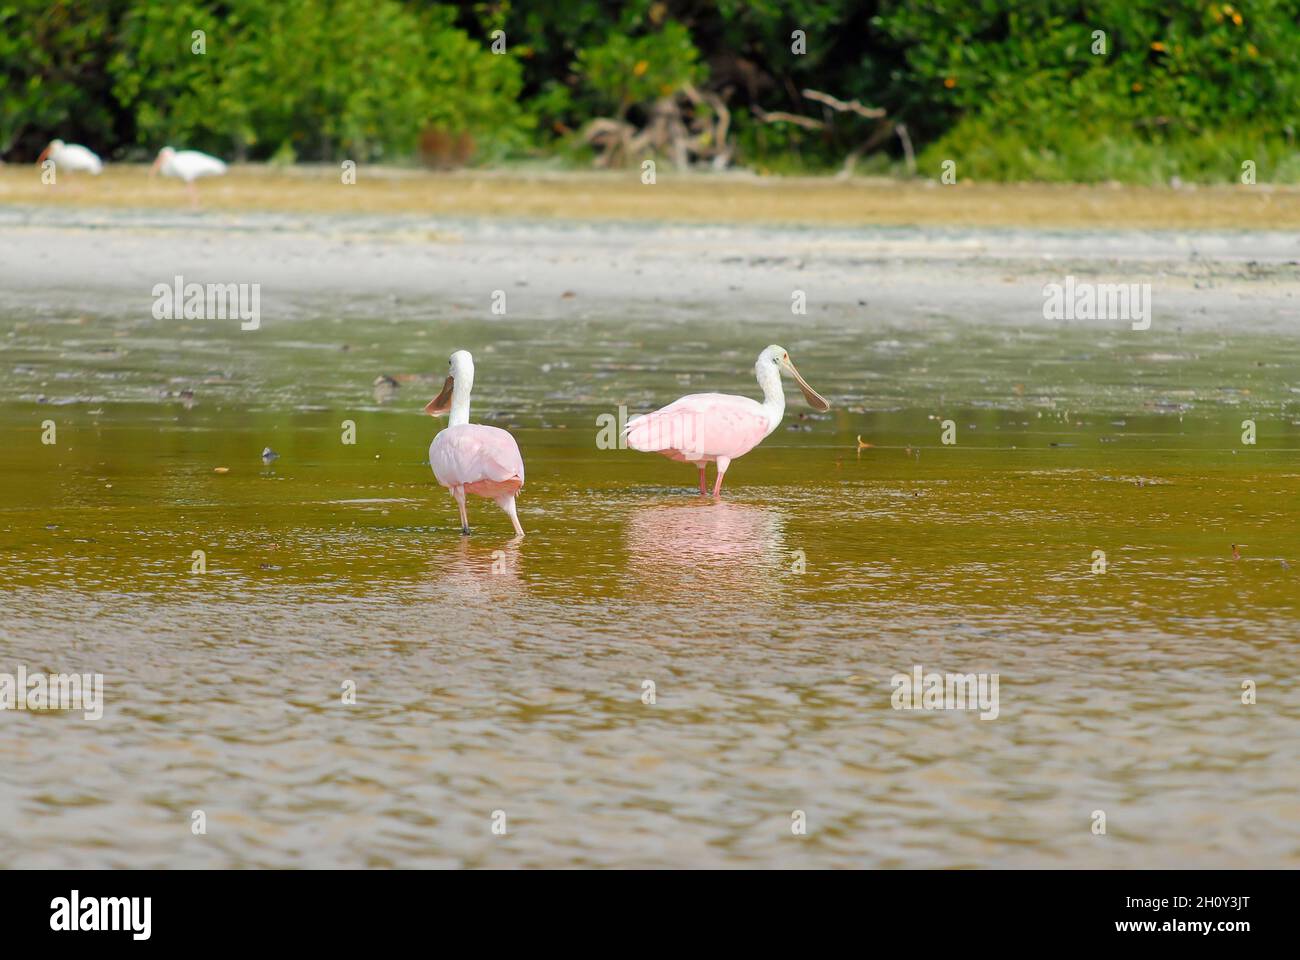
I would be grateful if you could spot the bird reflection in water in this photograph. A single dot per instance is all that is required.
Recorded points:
(477, 572)
(719, 547)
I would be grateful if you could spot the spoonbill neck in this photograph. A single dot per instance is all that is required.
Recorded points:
(769, 378)
(459, 412)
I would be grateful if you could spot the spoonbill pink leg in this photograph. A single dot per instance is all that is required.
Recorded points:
(704, 485)
(723, 463)
(508, 505)
(459, 494)
(194, 195)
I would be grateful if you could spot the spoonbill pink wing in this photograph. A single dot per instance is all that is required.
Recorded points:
(701, 427)
(484, 460)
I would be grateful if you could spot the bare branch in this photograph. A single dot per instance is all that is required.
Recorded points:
(909, 156)
(845, 106)
(780, 116)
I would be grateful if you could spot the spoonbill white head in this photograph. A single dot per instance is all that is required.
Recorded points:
(164, 155)
(460, 380)
(776, 358)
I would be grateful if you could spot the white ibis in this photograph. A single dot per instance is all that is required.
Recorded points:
(72, 157)
(187, 165)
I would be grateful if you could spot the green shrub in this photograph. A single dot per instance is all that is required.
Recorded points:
(322, 79)
(1185, 90)
(626, 71)
(53, 56)
(1009, 89)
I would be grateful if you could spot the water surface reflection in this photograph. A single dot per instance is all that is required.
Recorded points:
(717, 550)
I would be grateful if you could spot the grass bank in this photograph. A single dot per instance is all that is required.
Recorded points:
(690, 198)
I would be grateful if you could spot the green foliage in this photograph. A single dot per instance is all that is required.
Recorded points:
(357, 78)
(52, 72)
(313, 79)
(1180, 90)
(1010, 90)
(1099, 152)
(625, 71)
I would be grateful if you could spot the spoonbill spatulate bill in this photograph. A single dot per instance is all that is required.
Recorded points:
(720, 427)
(72, 157)
(471, 457)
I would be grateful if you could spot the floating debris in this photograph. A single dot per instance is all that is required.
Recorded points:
(385, 388)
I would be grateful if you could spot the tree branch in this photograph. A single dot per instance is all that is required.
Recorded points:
(845, 106)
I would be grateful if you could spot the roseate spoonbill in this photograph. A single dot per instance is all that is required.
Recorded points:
(187, 165)
(470, 457)
(717, 426)
(72, 157)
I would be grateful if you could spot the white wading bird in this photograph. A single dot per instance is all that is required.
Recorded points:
(72, 157)
(471, 457)
(720, 427)
(187, 165)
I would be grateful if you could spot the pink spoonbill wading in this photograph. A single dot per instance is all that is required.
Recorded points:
(720, 427)
(187, 165)
(470, 457)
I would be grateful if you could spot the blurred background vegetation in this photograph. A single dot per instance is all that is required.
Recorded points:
(1008, 90)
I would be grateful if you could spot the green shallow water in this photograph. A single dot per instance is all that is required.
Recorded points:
(499, 676)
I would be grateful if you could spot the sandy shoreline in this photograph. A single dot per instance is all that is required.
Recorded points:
(101, 257)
